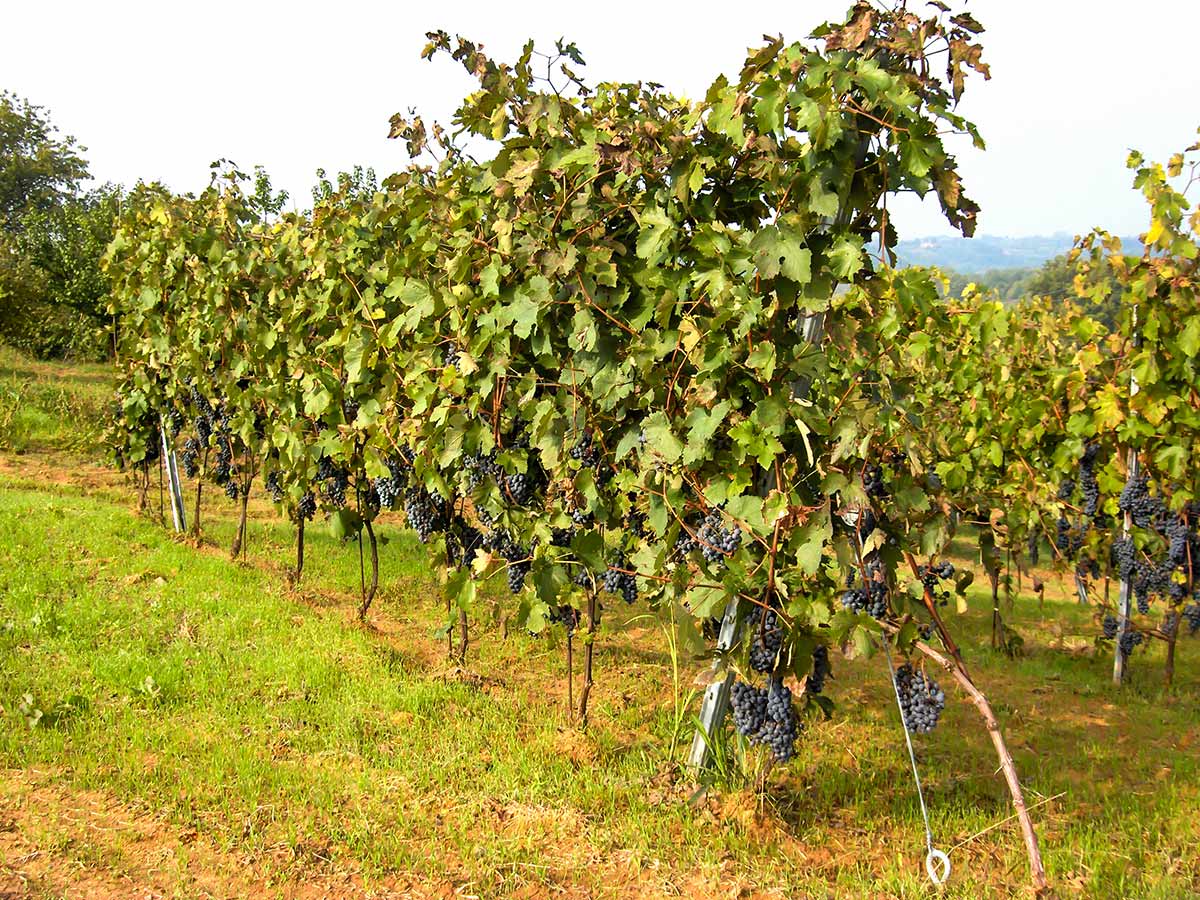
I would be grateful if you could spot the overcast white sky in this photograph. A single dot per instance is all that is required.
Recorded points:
(159, 90)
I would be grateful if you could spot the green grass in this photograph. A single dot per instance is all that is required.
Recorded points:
(49, 406)
(207, 695)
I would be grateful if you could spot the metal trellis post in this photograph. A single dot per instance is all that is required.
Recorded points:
(1126, 592)
(716, 696)
(178, 516)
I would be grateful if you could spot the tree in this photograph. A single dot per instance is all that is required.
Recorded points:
(64, 245)
(38, 169)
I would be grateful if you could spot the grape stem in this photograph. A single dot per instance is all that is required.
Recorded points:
(931, 605)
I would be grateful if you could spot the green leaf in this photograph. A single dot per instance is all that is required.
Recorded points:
(589, 547)
(344, 524)
(654, 236)
(661, 439)
(460, 589)
(780, 250)
(489, 280)
(706, 602)
(811, 538)
(1189, 337)
(864, 642)
(768, 108)
(702, 425)
(822, 202)
(845, 259)
(522, 313)
(762, 359)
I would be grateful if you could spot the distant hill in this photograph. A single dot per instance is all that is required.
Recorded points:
(982, 254)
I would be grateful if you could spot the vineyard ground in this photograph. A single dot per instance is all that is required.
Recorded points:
(208, 732)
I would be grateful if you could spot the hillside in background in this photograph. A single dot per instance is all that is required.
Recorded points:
(982, 254)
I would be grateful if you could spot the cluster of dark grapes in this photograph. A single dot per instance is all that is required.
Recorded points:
(865, 524)
(1124, 557)
(821, 670)
(521, 488)
(585, 452)
(274, 488)
(565, 615)
(1149, 580)
(389, 488)
(518, 557)
(717, 543)
(369, 498)
(685, 543)
(1066, 490)
(176, 421)
(1033, 548)
(427, 513)
(153, 445)
(1178, 540)
(200, 403)
(870, 597)
(766, 716)
(517, 571)
(709, 537)
(350, 409)
(1062, 536)
(223, 466)
(204, 428)
(306, 507)
(1147, 511)
(621, 582)
(334, 480)
(1088, 485)
(479, 466)
(1087, 567)
(1129, 640)
(462, 540)
(921, 699)
(1109, 627)
(190, 457)
(931, 575)
(873, 482)
(749, 708)
(1067, 539)
(767, 641)
(212, 428)
(1191, 615)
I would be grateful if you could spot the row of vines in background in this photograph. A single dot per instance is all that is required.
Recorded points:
(577, 365)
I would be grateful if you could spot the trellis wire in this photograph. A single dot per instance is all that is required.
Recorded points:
(937, 863)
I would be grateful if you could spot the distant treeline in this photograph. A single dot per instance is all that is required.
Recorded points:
(1054, 278)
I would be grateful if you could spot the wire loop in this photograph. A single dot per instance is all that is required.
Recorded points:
(937, 864)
